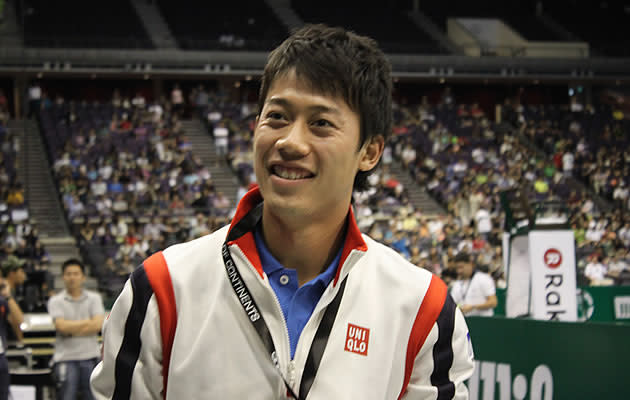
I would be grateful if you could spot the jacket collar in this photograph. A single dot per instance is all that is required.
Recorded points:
(246, 242)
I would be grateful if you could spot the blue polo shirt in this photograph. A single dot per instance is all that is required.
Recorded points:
(297, 303)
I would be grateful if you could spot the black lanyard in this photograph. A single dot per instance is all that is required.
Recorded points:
(247, 224)
(467, 287)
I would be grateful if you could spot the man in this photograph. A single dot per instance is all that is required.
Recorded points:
(221, 141)
(291, 301)
(597, 272)
(78, 317)
(14, 276)
(34, 99)
(473, 291)
(10, 315)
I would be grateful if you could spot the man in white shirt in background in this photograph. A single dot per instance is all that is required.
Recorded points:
(473, 291)
(483, 222)
(597, 272)
(221, 140)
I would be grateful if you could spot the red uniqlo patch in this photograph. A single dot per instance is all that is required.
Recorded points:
(357, 340)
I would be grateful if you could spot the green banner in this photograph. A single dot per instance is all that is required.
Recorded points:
(526, 359)
(595, 303)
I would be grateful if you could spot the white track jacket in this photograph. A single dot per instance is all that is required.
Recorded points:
(179, 331)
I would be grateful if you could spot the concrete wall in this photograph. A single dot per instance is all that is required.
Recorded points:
(489, 36)
(463, 38)
(557, 49)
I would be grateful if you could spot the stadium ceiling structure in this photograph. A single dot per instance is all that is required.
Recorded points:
(196, 64)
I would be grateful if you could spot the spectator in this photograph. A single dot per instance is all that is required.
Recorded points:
(99, 187)
(618, 264)
(201, 100)
(10, 316)
(474, 291)
(154, 228)
(597, 272)
(177, 100)
(221, 203)
(34, 99)
(15, 198)
(483, 222)
(78, 316)
(567, 163)
(14, 276)
(138, 101)
(221, 134)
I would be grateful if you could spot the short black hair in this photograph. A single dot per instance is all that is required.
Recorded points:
(341, 63)
(72, 261)
(462, 257)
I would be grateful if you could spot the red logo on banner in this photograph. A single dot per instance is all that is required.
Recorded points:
(357, 340)
(553, 258)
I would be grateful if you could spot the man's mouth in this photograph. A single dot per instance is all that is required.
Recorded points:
(290, 173)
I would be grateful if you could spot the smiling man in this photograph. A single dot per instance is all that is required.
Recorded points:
(291, 300)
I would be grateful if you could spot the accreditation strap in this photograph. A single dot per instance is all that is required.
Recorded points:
(251, 309)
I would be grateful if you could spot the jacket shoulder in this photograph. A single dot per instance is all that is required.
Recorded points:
(188, 257)
(391, 262)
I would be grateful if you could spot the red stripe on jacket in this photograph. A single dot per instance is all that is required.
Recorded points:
(160, 280)
(427, 315)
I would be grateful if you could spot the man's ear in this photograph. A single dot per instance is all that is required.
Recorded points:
(371, 153)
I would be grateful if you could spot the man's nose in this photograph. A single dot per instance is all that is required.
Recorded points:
(294, 144)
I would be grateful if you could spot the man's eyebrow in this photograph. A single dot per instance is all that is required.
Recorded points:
(278, 101)
(319, 108)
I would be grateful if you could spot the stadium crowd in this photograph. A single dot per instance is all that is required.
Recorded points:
(128, 180)
(131, 184)
(465, 161)
(24, 260)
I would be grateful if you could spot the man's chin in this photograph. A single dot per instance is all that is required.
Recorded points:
(287, 206)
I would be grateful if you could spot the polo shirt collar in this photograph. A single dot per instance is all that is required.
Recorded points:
(246, 242)
(68, 296)
(270, 264)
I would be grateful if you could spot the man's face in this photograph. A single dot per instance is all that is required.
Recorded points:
(73, 277)
(464, 269)
(306, 151)
(18, 276)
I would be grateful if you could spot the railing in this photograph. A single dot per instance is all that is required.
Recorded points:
(80, 41)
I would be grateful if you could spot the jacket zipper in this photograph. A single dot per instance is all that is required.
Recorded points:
(290, 369)
(290, 365)
(322, 307)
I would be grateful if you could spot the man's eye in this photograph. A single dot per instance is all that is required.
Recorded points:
(274, 115)
(322, 123)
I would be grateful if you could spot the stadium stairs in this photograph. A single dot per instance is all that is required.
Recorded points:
(556, 28)
(43, 201)
(154, 24)
(425, 24)
(203, 147)
(283, 11)
(418, 196)
(601, 203)
(10, 31)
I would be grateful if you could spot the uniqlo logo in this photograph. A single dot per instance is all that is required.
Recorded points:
(357, 340)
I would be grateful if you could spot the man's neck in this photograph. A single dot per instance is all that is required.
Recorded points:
(75, 293)
(307, 248)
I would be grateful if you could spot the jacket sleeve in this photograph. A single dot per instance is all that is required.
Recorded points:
(131, 365)
(445, 360)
